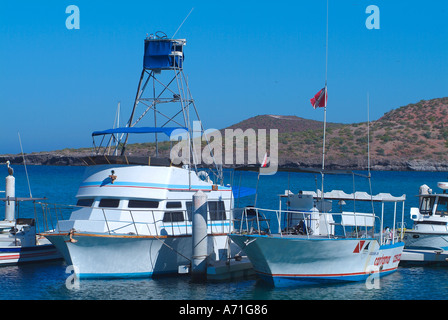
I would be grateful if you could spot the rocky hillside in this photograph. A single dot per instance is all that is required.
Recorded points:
(412, 137)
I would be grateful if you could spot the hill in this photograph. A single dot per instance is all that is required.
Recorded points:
(284, 124)
(412, 137)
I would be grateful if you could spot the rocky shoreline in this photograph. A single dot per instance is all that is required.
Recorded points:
(50, 159)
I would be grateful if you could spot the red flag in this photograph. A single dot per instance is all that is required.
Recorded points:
(320, 99)
(265, 161)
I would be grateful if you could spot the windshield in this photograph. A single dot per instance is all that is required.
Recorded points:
(426, 204)
(442, 206)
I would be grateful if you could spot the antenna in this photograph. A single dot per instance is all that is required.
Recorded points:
(325, 107)
(325, 93)
(24, 164)
(182, 23)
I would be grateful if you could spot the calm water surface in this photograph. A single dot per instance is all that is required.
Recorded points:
(47, 281)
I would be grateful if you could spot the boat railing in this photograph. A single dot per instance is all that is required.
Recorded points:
(251, 220)
(140, 222)
(307, 224)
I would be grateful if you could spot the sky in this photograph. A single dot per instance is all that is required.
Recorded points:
(242, 59)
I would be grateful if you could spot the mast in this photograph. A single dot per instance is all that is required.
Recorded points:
(325, 107)
(368, 149)
(368, 134)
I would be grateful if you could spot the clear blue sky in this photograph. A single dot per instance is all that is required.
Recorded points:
(243, 58)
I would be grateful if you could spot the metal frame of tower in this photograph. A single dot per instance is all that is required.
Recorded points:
(157, 87)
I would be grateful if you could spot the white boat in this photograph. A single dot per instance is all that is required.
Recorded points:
(133, 216)
(427, 241)
(141, 224)
(313, 244)
(316, 245)
(19, 239)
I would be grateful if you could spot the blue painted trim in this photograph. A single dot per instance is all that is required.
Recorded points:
(151, 185)
(390, 246)
(114, 275)
(25, 249)
(285, 281)
(136, 275)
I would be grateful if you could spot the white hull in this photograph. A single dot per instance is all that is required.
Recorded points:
(103, 256)
(125, 241)
(293, 260)
(426, 240)
(419, 256)
(422, 248)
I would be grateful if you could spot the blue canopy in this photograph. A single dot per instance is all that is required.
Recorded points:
(166, 130)
(239, 192)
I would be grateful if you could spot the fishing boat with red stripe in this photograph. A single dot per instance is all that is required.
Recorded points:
(314, 244)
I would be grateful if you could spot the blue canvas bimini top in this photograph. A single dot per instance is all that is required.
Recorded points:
(166, 130)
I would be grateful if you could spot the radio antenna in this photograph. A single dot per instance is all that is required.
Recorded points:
(24, 164)
(182, 23)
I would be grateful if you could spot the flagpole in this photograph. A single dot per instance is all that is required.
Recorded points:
(368, 150)
(325, 96)
(325, 107)
(368, 134)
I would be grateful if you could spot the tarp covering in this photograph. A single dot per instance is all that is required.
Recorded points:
(239, 192)
(166, 130)
(357, 196)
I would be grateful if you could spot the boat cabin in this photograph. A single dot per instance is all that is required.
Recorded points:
(434, 205)
(173, 211)
(431, 205)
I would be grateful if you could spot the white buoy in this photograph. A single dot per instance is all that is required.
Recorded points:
(10, 192)
(199, 235)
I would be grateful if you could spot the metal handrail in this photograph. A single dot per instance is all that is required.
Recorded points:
(153, 225)
(358, 228)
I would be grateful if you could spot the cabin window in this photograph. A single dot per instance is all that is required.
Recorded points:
(426, 205)
(442, 206)
(174, 205)
(84, 202)
(109, 203)
(217, 210)
(173, 216)
(148, 204)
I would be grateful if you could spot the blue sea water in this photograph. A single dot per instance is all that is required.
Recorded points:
(47, 281)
